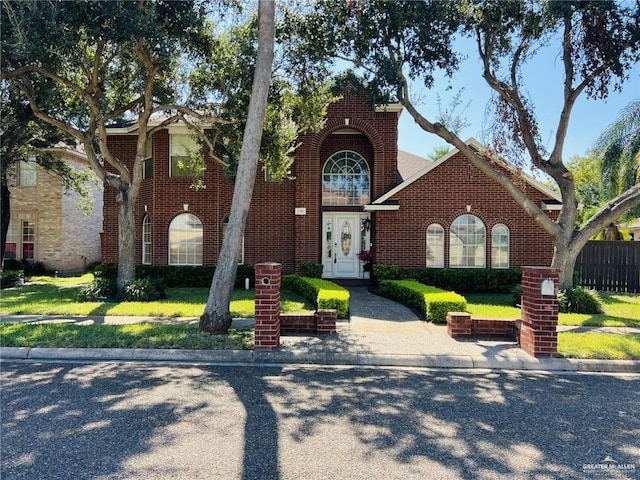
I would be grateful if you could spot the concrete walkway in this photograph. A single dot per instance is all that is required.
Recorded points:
(380, 332)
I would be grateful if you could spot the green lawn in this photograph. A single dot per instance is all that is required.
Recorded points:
(620, 310)
(608, 346)
(57, 296)
(140, 335)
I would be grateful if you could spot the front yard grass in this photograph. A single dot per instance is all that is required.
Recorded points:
(57, 296)
(140, 335)
(620, 310)
(609, 346)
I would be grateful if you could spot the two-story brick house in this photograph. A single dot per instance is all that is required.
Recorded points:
(47, 224)
(351, 191)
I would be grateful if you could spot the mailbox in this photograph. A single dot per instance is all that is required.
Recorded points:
(547, 287)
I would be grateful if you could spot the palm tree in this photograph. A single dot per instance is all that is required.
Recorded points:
(619, 148)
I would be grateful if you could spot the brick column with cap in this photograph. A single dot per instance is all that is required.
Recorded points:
(538, 335)
(267, 330)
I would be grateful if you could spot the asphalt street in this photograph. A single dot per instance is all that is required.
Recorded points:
(66, 420)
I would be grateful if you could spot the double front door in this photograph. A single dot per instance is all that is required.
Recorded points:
(344, 235)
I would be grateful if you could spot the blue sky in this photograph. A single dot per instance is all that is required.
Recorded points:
(544, 84)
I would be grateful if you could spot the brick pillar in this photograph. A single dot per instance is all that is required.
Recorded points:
(326, 321)
(538, 335)
(267, 331)
(459, 324)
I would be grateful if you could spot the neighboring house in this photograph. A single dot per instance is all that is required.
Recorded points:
(47, 224)
(352, 191)
(634, 229)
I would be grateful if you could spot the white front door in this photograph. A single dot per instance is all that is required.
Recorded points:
(342, 239)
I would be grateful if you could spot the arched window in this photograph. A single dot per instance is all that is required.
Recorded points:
(467, 240)
(345, 180)
(185, 240)
(500, 246)
(146, 240)
(435, 246)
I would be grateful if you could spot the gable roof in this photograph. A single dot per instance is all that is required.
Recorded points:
(472, 142)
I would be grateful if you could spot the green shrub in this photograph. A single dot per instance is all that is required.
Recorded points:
(579, 300)
(312, 270)
(177, 276)
(10, 278)
(106, 270)
(517, 295)
(439, 304)
(386, 272)
(468, 280)
(100, 288)
(324, 294)
(27, 266)
(432, 302)
(143, 290)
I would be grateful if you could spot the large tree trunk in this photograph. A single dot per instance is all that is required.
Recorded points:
(564, 258)
(5, 207)
(217, 317)
(126, 239)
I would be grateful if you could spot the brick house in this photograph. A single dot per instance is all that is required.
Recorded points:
(352, 191)
(47, 224)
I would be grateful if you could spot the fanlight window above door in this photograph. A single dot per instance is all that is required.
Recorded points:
(345, 180)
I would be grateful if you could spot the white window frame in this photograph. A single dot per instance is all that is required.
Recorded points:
(28, 173)
(194, 246)
(467, 235)
(147, 241)
(352, 168)
(181, 145)
(12, 238)
(500, 251)
(435, 246)
(28, 237)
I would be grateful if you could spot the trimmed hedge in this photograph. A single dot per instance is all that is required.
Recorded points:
(467, 280)
(325, 294)
(313, 270)
(177, 276)
(432, 302)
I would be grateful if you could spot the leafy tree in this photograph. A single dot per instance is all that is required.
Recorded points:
(618, 150)
(438, 152)
(588, 181)
(394, 42)
(103, 62)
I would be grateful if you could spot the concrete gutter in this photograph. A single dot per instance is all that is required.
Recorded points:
(248, 357)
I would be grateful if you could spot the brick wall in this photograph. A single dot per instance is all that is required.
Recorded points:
(65, 237)
(440, 197)
(275, 234)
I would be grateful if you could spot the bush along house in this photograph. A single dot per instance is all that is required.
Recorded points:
(352, 199)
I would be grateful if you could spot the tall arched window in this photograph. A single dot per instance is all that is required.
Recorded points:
(185, 240)
(467, 240)
(435, 246)
(146, 240)
(345, 180)
(500, 246)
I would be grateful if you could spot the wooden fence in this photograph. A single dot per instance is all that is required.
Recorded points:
(612, 266)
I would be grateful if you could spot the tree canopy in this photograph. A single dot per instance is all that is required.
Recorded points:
(398, 44)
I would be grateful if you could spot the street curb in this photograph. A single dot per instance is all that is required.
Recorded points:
(246, 357)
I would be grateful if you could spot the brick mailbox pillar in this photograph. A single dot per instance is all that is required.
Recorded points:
(538, 335)
(267, 331)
